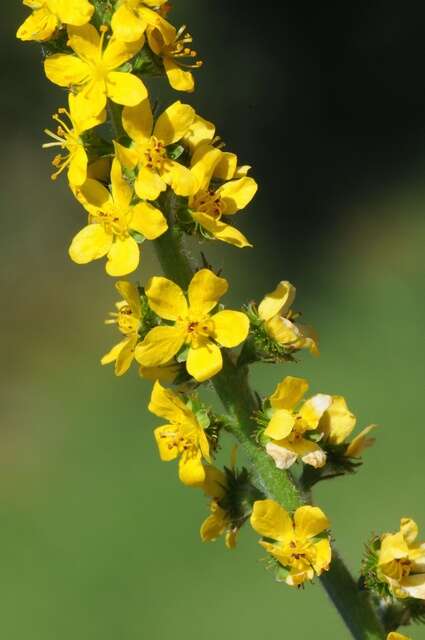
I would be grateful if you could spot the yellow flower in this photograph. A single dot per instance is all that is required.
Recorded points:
(49, 15)
(275, 311)
(183, 437)
(394, 635)
(149, 151)
(112, 217)
(296, 546)
(92, 70)
(172, 48)
(69, 138)
(401, 561)
(337, 423)
(129, 320)
(132, 17)
(209, 204)
(193, 325)
(288, 426)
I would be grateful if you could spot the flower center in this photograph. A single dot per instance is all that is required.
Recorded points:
(127, 322)
(198, 332)
(208, 201)
(154, 154)
(179, 49)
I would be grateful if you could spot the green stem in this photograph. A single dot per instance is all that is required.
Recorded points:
(232, 386)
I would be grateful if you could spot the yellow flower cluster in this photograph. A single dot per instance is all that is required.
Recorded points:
(142, 174)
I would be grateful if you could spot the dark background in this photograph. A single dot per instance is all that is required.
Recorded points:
(99, 540)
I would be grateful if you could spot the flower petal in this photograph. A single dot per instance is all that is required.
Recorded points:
(288, 393)
(283, 331)
(280, 425)
(94, 194)
(126, 24)
(112, 355)
(75, 13)
(179, 79)
(138, 121)
(221, 231)
(213, 526)
(174, 122)
(283, 457)
(226, 168)
(180, 178)
(85, 41)
(278, 301)
(164, 403)
(337, 422)
(237, 194)
(323, 556)
(204, 362)
(166, 298)
(414, 585)
(167, 451)
(200, 131)
(204, 162)
(125, 356)
(77, 173)
(117, 53)
(122, 193)
(230, 328)
(205, 290)
(148, 220)
(125, 88)
(309, 522)
(360, 442)
(191, 470)
(159, 346)
(313, 409)
(40, 26)
(271, 520)
(409, 529)
(91, 243)
(123, 257)
(65, 70)
(149, 184)
(393, 547)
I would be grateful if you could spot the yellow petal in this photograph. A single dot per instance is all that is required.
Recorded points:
(117, 53)
(39, 26)
(159, 346)
(288, 393)
(393, 547)
(394, 635)
(66, 70)
(166, 373)
(309, 522)
(125, 356)
(409, 529)
(230, 328)
(226, 168)
(166, 298)
(191, 470)
(200, 132)
(213, 526)
(89, 244)
(204, 361)
(131, 295)
(174, 123)
(125, 88)
(138, 121)
(122, 193)
(237, 194)
(360, 443)
(77, 172)
(85, 41)
(112, 355)
(282, 330)
(271, 520)
(148, 220)
(310, 453)
(167, 451)
(149, 184)
(164, 403)
(282, 455)
(179, 79)
(323, 556)
(126, 24)
(180, 178)
(123, 257)
(280, 425)
(221, 231)
(75, 13)
(337, 422)
(128, 157)
(313, 409)
(278, 301)
(205, 290)
(203, 164)
(94, 194)
(215, 482)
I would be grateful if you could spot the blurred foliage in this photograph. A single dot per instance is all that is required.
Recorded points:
(98, 538)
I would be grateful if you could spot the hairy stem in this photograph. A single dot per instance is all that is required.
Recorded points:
(233, 389)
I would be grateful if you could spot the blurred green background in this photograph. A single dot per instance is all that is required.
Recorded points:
(98, 539)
